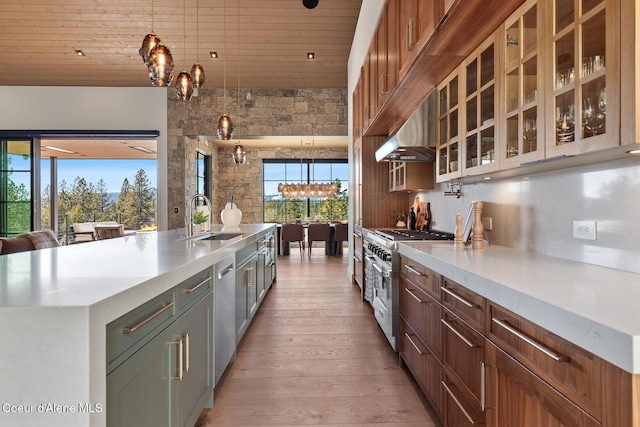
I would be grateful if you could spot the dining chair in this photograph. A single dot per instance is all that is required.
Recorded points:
(293, 233)
(319, 233)
(340, 235)
(109, 231)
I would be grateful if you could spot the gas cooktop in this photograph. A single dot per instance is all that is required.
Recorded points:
(400, 234)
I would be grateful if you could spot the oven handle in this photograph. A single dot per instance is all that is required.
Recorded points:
(382, 272)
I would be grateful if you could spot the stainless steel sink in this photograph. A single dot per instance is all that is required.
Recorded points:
(218, 236)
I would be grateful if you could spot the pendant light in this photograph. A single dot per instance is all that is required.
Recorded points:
(184, 84)
(160, 65)
(197, 72)
(150, 41)
(239, 153)
(225, 125)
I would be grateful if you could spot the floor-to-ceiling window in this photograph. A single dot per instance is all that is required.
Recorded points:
(16, 186)
(305, 171)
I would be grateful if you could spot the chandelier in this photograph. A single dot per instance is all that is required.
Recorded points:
(307, 190)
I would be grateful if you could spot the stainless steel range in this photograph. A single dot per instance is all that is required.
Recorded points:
(381, 266)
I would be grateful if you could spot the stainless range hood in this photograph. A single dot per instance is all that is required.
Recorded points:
(415, 141)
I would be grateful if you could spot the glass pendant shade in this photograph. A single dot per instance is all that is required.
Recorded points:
(225, 128)
(239, 155)
(197, 75)
(150, 41)
(160, 66)
(184, 86)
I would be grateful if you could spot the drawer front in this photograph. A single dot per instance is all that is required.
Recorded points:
(466, 304)
(427, 279)
(463, 354)
(426, 369)
(573, 371)
(458, 411)
(423, 313)
(131, 331)
(191, 290)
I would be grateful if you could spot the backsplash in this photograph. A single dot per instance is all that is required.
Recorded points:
(536, 212)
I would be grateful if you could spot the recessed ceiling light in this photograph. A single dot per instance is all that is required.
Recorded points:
(311, 55)
(143, 149)
(62, 150)
(79, 52)
(213, 54)
(486, 178)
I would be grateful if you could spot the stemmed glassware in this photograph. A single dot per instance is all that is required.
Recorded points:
(565, 124)
(529, 133)
(594, 117)
(588, 117)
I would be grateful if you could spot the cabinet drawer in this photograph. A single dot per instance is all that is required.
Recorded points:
(426, 369)
(423, 313)
(191, 290)
(131, 331)
(458, 411)
(466, 304)
(571, 370)
(463, 354)
(427, 279)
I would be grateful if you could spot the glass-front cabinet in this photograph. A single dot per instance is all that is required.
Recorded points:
(523, 95)
(584, 62)
(448, 132)
(480, 142)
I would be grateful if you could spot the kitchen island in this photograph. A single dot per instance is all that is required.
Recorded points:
(55, 305)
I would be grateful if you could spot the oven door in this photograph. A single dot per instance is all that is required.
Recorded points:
(383, 299)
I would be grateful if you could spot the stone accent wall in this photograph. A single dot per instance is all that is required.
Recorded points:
(262, 112)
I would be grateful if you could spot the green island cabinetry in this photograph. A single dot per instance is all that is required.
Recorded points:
(160, 358)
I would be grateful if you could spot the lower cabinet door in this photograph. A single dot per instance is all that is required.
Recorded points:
(518, 397)
(195, 327)
(139, 392)
(458, 411)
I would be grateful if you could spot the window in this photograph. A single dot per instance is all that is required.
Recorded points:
(15, 186)
(203, 174)
(308, 171)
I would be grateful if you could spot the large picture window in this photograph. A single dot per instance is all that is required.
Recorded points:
(305, 171)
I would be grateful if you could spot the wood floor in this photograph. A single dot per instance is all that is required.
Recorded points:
(314, 355)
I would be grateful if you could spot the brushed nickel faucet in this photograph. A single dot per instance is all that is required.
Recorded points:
(190, 224)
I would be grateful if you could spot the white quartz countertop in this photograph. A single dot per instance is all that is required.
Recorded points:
(591, 306)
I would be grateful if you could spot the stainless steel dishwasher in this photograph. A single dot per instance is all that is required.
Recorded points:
(225, 313)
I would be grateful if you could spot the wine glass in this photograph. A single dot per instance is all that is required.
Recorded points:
(529, 133)
(588, 116)
(601, 114)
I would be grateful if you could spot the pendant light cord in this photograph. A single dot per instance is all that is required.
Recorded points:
(224, 64)
(184, 33)
(238, 54)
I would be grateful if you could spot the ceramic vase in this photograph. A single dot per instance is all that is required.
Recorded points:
(231, 215)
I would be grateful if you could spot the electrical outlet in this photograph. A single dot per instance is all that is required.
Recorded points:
(487, 223)
(584, 230)
(176, 210)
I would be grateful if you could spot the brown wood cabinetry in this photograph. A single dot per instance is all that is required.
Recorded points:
(410, 176)
(422, 312)
(466, 304)
(458, 411)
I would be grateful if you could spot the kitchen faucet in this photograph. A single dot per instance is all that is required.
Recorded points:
(190, 224)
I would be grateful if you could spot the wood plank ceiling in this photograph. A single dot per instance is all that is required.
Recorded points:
(269, 42)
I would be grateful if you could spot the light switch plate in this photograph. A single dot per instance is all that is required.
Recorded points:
(584, 230)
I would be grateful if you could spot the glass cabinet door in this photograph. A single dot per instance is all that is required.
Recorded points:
(480, 111)
(582, 51)
(522, 81)
(447, 159)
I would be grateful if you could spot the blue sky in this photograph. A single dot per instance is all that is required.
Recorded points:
(113, 172)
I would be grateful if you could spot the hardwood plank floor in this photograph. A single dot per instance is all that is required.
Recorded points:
(314, 355)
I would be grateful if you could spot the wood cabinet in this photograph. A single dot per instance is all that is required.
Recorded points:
(418, 20)
(410, 176)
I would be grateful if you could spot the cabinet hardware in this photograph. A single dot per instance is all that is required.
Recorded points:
(410, 35)
(376, 268)
(455, 331)
(483, 382)
(358, 234)
(190, 290)
(248, 270)
(131, 329)
(271, 264)
(420, 352)
(553, 355)
(413, 270)
(180, 345)
(410, 292)
(459, 298)
(457, 402)
(187, 351)
(224, 272)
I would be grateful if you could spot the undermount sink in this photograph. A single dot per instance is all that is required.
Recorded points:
(220, 236)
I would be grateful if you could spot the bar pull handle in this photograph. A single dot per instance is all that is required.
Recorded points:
(187, 351)
(410, 292)
(458, 334)
(131, 329)
(190, 290)
(224, 272)
(376, 268)
(459, 298)
(180, 344)
(249, 270)
(420, 352)
(550, 353)
(457, 402)
(483, 382)
(413, 270)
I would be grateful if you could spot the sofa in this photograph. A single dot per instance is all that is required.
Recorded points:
(39, 239)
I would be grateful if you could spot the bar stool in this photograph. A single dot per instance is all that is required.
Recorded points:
(319, 233)
(340, 234)
(293, 233)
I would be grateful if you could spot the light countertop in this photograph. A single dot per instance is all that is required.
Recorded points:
(594, 307)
